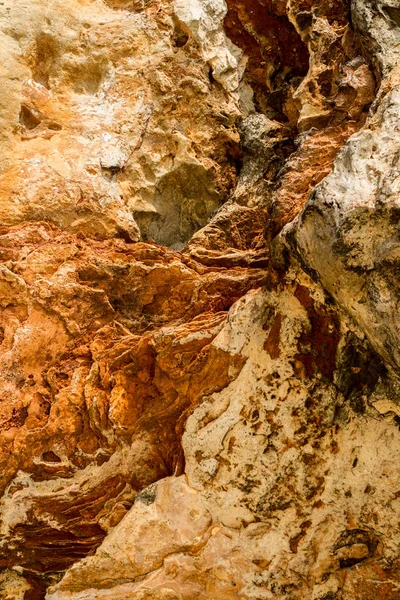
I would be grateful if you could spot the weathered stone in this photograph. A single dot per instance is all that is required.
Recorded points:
(286, 471)
(190, 406)
(348, 232)
(97, 128)
(103, 344)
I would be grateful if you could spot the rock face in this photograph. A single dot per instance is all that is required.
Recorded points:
(199, 291)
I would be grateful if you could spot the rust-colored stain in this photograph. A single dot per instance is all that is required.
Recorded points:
(295, 541)
(318, 345)
(272, 343)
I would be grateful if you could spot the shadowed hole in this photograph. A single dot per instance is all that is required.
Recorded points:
(50, 457)
(44, 57)
(276, 54)
(28, 118)
(393, 14)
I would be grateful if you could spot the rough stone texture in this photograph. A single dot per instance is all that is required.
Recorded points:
(108, 345)
(108, 114)
(192, 406)
(287, 466)
(378, 24)
(348, 232)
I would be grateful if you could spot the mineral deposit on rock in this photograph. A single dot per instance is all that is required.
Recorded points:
(199, 300)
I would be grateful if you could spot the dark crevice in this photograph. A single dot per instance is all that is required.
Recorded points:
(394, 14)
(44, 56)
(181, 34)
(131, 5)
(358, 372)
(278, 59)
(51, 457)
(54, 126)
(110, 172)
(355, 537)
(29, 118)
(336, 90)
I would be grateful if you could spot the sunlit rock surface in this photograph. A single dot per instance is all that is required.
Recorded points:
(199, 295)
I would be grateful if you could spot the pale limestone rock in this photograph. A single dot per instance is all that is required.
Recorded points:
(378, 21)
(204, 19)
(167, 518)
(348, 231)
(98, 112)
(13, 586)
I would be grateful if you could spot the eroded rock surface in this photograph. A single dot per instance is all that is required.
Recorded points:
(287, 463)
(199, 293)
(349, 230)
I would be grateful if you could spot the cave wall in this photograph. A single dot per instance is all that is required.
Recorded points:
(199, 324)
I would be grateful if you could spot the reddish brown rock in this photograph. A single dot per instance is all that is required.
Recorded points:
(178, 418)
(310, 74)
(105, 347)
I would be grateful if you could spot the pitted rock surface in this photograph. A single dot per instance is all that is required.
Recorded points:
(199, 289)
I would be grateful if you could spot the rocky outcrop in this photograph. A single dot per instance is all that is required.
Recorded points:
(105, 350)
(108, 117)
(348, 232)
(198, 325)
(284, 468)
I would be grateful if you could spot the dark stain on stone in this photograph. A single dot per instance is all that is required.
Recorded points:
(318, 345)
(147, 496)
(295, 541)
(18, 418)
(359, 370)
(38, 587)
(272, 343)
(293, 249)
